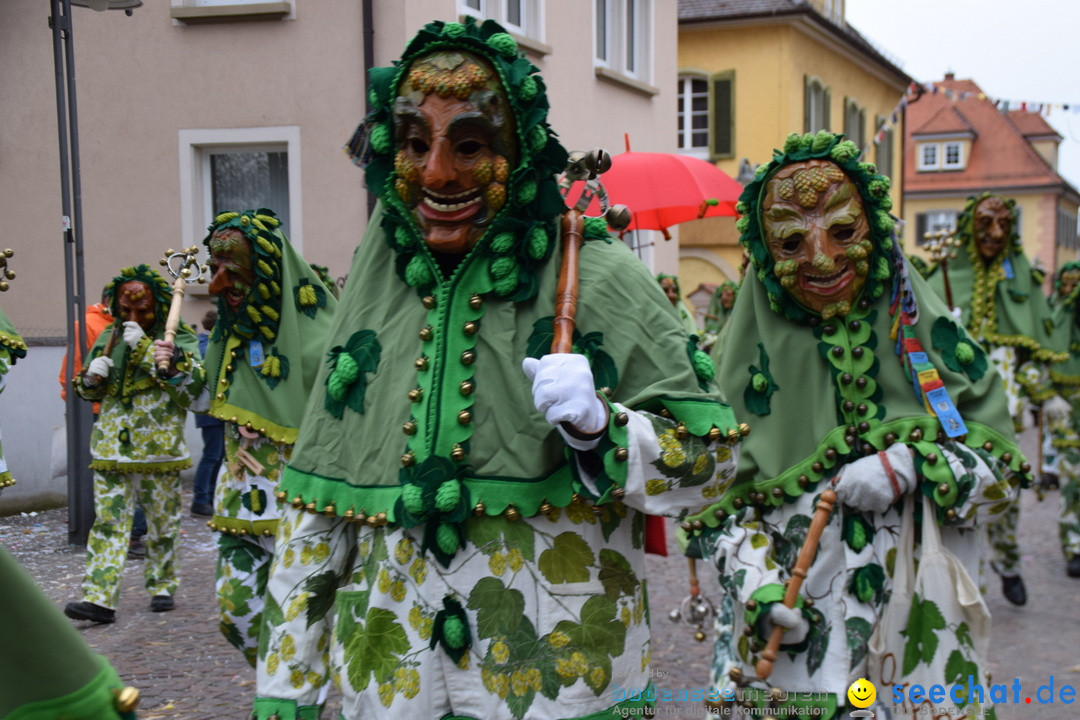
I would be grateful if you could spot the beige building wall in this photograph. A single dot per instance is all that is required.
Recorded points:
(154, 92)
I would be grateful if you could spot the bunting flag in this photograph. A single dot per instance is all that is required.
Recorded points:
(916, 90)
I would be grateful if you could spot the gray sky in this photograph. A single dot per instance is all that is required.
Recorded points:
(1021, 51)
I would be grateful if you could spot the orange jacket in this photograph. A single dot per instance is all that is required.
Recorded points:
(97, 319)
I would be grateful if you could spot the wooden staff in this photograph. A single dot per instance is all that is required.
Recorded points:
(567, 294)
(114, 336)
(798, 574)
(188, 259)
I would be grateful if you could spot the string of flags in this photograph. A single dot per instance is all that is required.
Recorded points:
(916, 90)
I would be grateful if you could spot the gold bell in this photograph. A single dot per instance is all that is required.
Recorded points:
(127, 699)
(512, 513)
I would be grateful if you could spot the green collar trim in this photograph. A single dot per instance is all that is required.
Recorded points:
(833, 449)
(96, 699)
(123, 466)
(492, 495)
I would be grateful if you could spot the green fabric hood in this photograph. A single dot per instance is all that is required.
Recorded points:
(262, 358)
(1002, 302)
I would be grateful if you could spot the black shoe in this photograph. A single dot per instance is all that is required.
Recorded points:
(1049, 480)
(89, 611)
(1073, 567)
(202, 510)
(161, 603)
(1013, 590)
(136, 549)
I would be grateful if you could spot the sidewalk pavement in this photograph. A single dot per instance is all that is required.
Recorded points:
(185, 670)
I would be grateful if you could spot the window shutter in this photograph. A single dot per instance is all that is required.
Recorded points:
(723, 115)
(826, 101)
(920, 228)
(806, 103)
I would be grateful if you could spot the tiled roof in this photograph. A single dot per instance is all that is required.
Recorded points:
(1031, 124)
(1000, 156)
(718, 9)
(946, 120)
(703, 11)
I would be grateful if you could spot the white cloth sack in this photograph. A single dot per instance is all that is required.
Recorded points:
(935, 629)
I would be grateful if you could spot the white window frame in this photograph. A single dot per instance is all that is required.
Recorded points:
(621, 40)
(532, 15)
(195, 148)
(231, 3)
(817, 100)
(947, 147)
(686, 135)
(932, 163)
(940, 220)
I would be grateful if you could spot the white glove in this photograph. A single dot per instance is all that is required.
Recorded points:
(866, 485)
(1056, 409)
(797, 627)
(132, 333)
(564, 392)
(957, 313)
(100, 367)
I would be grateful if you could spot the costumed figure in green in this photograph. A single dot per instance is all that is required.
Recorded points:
(716, 317)
(670, 285)
(137, 444)
(47, 671)
(842, 352)
(723, 300)
(1061, 442)
(999, 299)
(12, 347)
(261, 361)
(487, 555)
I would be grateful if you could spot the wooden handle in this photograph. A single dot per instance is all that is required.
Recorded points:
(798, 574)
(114, 336)
(567, 293)
(172, 322)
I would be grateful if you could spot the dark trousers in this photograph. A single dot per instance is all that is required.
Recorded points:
(207, 471)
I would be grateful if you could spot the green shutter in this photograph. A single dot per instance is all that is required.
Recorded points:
(723, 114)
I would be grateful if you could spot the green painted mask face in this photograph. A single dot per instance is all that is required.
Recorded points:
(818, 235)
(455, 134)
(231, 273)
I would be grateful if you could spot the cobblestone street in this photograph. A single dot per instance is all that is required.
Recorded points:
(185, 670)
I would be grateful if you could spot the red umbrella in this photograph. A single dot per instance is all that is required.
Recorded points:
(665, 189)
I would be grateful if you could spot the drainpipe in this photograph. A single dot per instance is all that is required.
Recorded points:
(369, 62)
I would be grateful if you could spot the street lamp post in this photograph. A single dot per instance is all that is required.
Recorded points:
(78, 413)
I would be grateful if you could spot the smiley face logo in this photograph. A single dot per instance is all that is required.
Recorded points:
(862, 693)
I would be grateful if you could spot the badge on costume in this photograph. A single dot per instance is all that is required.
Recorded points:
(1006, 265)
(946, 412)
(255, 353)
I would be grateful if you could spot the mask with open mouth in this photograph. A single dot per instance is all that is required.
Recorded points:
(818, 235)
(456, 147)
(231, 273)
(816, 226)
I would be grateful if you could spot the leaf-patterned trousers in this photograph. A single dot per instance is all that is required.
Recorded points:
(107, 546)
(243, 566)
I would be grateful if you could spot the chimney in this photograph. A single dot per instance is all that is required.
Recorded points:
(950, 75)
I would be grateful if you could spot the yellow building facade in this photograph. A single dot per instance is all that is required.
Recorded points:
(793, 69)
